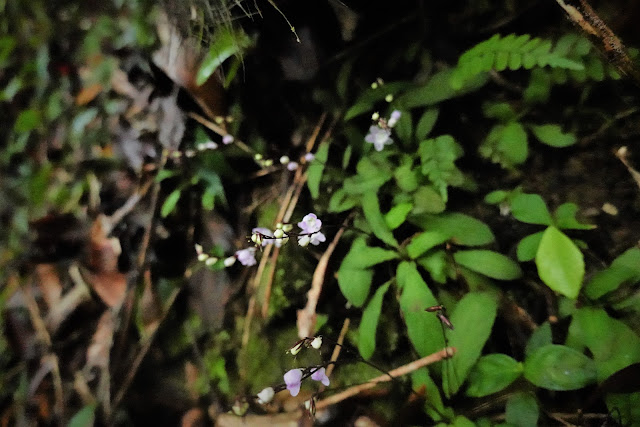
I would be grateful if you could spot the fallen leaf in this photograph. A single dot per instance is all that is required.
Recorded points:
(88, 94)
(110, 287)
(48, 282)
(98, 350)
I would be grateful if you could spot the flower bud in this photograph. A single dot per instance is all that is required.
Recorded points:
(257, 157)
(198, 248)
(304, 240)
(278, 233)
(284, 160)
(317, 342)
(268, 163)
(287, 227)
(375, 116)
(388, 98)
(229, 261)
(296, 348)
(266, 395)
(203, 257)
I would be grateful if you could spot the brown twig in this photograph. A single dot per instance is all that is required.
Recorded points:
(621, 154)
(219, 130)
(583, 15)
(337, 348)
(307, 316)
(402, 370)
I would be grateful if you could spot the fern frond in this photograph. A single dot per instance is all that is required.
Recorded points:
(513, 52)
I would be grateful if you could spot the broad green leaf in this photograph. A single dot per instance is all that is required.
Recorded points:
(522, 410)
(426, 123)
(512, 143)
(530, 208)
(565, 218)
(341, 201)
(624, 269)
(502, 111)
(227, 42)
(627, 405)
(491, 264)
(170, 203)
(314, 173)
(85, 417)
(438, 89)
(557, 367)
(427, 201)
(552, 135)
(369, 323)
(437, 264)
(27, 121)
(539, 338)
(492, 373)
(354, 276)
(371, 210)
(496, 197)
(528, 247)
(404, 127)
(464, 230)
(611, 342)
(434, 408)
(560, 263)
(473, 320)
(424, 241)
(406, 176)
(423, 328)
(397, 215)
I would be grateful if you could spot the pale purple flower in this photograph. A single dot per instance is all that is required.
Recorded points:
(292, 166)
(293, 380)
(317, 238)
(304, 240)
(310, 224)
(309, 157)
(246, 256)
(227, 139)
(395, 116)
(321, 376)
(379, 137)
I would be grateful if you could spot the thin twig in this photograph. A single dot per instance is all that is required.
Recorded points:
(307, 316)
(337, 348)
(219, 130)
(402, 370)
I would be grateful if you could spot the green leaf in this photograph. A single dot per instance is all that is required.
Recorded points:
(473, 320)
(557, 367)
(438, 89)
(552, 135)
(341, 201)
(512, 143)
(611, 342)
(426, 123)
(85, 417)
(434, 407)
(560, 263)
(404, 127)
(436, 264)
(369, 323)
(438, 156)
(314, 173)
(427, 201)
(624, 269)
(354, 276)
(463, 229)
(496, 197)
(539, 338)
(371, 210)
(397, 215)
(422, 242)
(528, 247)
(627, 405)
(522, 410)
(531, 209)
(565, 216)
(491, 264)
(227, 42)
(27, 121)
(492, 373)
(423, 328)
(170, 203)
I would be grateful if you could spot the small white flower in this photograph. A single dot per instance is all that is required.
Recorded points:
(395, 116)
(266, 395)
(246, 256)
(292, 166)
(309, 157)
(284, 160)
(317, 238)
(227, 139)
(379, 137)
